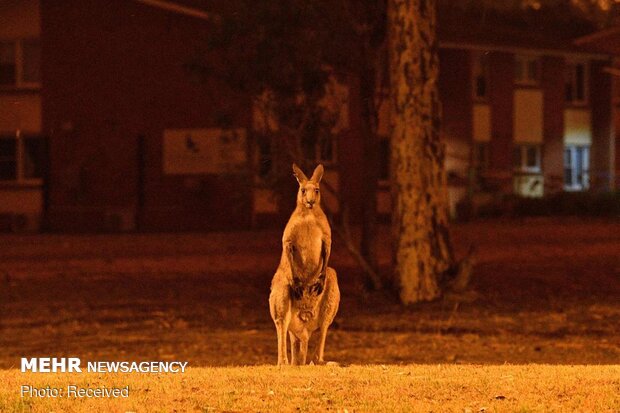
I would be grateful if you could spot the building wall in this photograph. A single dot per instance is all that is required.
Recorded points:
(21, 203)
(114, 75)
(553, 121)
(20, 18)
(616, 114)
(603, 135)
(456, 94)
(501, 70)
(114, 80)
(350, 156)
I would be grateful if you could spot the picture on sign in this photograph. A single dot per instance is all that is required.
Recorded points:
(204, 151)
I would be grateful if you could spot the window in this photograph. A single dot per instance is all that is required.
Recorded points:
(319, 146)
(576, 167)
(21, 158)
(7, 64)
(8, 164)
(479, 165)
(31, 62)
(527, 70)
(480, 75)
(527, 158)
(20, 63)
(384, 159)
(480, 158)
(263, 156)
(575, 83)
(265, 163)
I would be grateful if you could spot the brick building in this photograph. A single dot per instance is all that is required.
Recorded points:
(102, 128)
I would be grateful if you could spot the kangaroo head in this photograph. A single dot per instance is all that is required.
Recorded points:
(309, 192)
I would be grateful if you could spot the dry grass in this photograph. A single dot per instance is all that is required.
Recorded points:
(438, 388)
(544, 292)
(545, 296)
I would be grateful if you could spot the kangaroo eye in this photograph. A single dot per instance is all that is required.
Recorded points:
(316, 191)
(303, 190)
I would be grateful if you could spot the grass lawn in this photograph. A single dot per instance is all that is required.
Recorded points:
(379, 388)
(536, 331)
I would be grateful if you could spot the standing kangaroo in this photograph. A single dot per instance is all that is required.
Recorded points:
(304, 290)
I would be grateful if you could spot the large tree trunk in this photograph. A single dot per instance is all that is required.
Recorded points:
(422, 248)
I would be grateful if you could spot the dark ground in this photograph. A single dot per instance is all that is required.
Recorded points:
(544, 291)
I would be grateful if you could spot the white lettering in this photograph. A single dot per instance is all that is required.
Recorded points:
(29, 364)
(44, 365)
(50, 365)
(29, 391)
(74, 365)
(75, 391)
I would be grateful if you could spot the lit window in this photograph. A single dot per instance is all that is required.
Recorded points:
(527, 70)
(20, 63)
(576, 167)
(575, 83)
(480, 75)
(527, 158)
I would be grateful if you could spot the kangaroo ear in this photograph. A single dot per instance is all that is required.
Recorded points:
(299, 175)
(317, 174)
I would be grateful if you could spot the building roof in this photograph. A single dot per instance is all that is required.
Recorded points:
(550, 29)
(604, 41)
(555, 28)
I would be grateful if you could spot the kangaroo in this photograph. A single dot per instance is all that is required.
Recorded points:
(304, 290)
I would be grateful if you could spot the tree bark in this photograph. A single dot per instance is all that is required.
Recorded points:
(422, 248)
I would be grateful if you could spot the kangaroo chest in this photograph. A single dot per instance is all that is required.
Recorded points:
(307, 237)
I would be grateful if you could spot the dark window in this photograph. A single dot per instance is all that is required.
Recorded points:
(527, 70)
(480, 162)
(34, 157)
(569, 92)
(576, 83)
(532, 70)
(384, 159)
(31, 53)
(579, 82)
(317, 144)
(8, 159)
(326, 150)
(8, 75)
(568, 170)
(480, 70)
(308, 145)
(532, 157)
(264, 157)
(516, 157)
(481, 87)
(527, 158)
(21, 157)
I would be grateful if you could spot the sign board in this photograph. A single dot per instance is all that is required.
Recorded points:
(204, 151)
